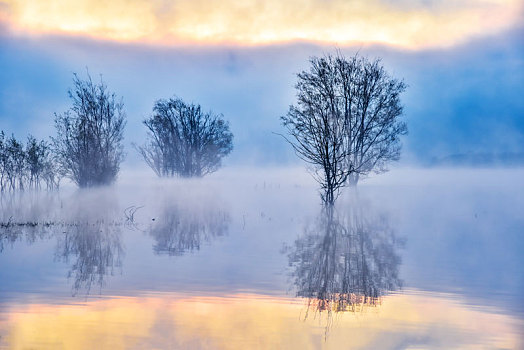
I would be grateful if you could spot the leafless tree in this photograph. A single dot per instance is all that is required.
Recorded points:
(185, 141)
(89, 137)
(346, 120)
(41, 165)
(35, 155)
(26, 167)
(10, 149)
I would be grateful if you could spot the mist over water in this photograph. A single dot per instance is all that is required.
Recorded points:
(426, 256)
(431, 257)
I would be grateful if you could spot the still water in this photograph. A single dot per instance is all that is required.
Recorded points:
(245, 259)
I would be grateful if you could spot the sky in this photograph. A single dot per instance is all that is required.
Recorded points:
(463, 62)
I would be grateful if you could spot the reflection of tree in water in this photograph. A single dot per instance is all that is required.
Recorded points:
(29, 231)
(94, 250)
(345, 262)
(181, 230)
(21, 216)
(87, 235)
(91, 241)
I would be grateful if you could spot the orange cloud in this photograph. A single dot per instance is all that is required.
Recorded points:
(250, 321)
(252, 22)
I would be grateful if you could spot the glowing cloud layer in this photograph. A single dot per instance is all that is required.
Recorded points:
(250, 22)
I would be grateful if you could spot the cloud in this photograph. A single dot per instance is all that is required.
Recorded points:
(407, 24)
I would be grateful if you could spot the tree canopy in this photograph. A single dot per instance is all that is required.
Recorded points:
(346, 122)
(185, 141)
(26, 167)
(88, 143)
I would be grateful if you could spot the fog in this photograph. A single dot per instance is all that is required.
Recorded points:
(426, 255)
(462, 228)
(465, 100)
(454, 235)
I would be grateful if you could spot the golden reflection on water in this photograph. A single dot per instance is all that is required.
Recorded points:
(251, 321)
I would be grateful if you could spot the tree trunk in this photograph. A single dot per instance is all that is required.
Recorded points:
(353, 179)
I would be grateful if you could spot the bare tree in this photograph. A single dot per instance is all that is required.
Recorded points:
(41, 167)
(3, 170)
(35, 154)
(28, 167)
(89, 137)
(374, 128)
(185, 141)
(12, 158)
(346, 121)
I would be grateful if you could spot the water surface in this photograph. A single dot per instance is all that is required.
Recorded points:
(249, 259)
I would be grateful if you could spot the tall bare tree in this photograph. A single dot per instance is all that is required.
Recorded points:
(89, 135)
(346, 121)
(185, 141)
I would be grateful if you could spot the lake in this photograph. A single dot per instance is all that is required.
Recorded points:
(249, 259)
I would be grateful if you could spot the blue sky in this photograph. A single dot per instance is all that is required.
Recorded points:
(465, 95)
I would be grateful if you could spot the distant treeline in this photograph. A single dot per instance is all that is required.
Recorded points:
(479, 159)
(183, 140)
(29, 166)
